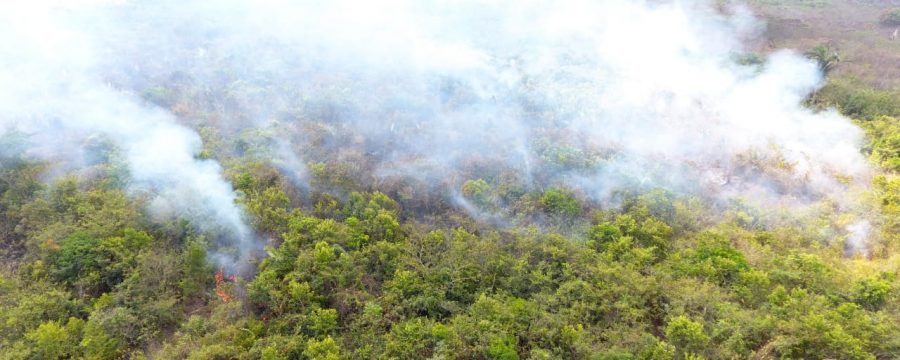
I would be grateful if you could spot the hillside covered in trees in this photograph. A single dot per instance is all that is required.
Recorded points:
(621, 179)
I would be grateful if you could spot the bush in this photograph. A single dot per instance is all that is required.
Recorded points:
(884, 148)
(891, 17)
(326, 349)
(687, 335)
(857, 100)
(53, 341)
(716, 260)
(478, 191)
(560, 202)
(872, 293)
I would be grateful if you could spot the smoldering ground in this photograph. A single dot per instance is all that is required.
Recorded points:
(633, 94)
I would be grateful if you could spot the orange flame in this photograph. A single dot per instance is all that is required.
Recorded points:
(221, 290)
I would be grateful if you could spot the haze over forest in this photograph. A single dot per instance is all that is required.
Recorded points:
(618, 179)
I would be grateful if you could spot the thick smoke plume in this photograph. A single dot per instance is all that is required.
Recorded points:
(53, 90)
(644, 92)
(592, 95)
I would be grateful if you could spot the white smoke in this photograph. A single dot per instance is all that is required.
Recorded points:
(52, 89)
(858, 234)
(653, 86)
(639, 93)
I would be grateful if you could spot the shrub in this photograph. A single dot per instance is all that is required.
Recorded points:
(891, 17)
(560, 202)
(687, 335)
(855, 99)
(872, 293)
(478, 191)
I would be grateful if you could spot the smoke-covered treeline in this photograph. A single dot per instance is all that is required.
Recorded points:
(637, 94)
(560, 154)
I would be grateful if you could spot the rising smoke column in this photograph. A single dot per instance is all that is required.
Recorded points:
(52, 90)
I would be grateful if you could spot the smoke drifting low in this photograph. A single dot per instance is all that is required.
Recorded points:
(645, 92)
(593, 95)
(53, 91)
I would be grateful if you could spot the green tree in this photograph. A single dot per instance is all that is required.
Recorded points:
(826, 57)
(51, 340)
(560, 202)
(687, 335)
(325, 349)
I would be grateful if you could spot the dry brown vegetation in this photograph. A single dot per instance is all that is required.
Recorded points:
(853, 27)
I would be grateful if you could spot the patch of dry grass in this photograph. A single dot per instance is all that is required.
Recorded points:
(853, 27)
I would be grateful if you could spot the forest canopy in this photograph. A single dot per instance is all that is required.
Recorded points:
(425, 180)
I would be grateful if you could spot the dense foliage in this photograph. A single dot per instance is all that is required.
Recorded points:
(356, 269)
(352, 273)
(891, 17)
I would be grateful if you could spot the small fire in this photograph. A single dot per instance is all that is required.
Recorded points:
(221, 287)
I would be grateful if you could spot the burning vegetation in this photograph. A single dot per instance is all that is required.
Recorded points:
(418, 179)
(223, 286)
